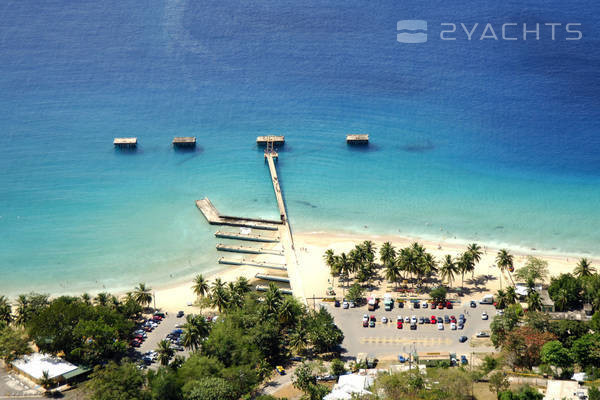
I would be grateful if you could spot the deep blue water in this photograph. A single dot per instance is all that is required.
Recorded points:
(495, 141)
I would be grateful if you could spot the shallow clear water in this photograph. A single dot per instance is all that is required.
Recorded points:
(479, 140)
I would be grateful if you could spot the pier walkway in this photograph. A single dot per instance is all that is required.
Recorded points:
(270, 160)
(248, 237)
(262, 264)
(248, 250)
(214, 218)
(273, 278)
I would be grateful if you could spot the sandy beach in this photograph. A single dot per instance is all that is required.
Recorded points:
(315, 277)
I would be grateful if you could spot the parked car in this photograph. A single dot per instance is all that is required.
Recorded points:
(400, 304)
(446, 319)
(453, 326)
(365, 323)
(460, 325)
(413, 319)
(440, 326)
(373, 318)
(462, 339)
(345, 305)
(484, 315)
(473, 304)
(372, 323)
(399, 318)
(413, 327)
(416, 304)
(384, 320)
(336, 303)
(399, 324)
(407, 319)
(179, 314)
(482, 334)
(352, 305)
(421, 320)
(424, 304)
(433, 319)
(365, 317)
(452, 318)
(449, 305)
(463, 359)
(440, 306)
(461, 317)
(280, 370)
(401, 359)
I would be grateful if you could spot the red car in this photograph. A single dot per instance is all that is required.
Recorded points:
(157, 318)
(135, 343)
(372, 318)
(365, 323)
(399, 324)
(433, 320)
(449, 305)
(440, 306)
(452, 318)
(434, 304)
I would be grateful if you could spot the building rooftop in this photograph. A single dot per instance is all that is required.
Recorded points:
(35, 364)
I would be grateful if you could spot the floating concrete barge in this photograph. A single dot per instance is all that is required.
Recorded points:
(185, 141)
(125, 142)
(262, 264)
(214, 218)
(273, 278)
(248, 250)
(263, 140)
(357, 139)
(262, 288)
(248, 237)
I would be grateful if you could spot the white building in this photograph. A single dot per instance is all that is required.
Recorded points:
(349, 384)
(34, 365)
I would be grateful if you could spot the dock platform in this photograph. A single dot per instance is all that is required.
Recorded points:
(263, 140)
(125, 142)
(214, 218)
(249, 237)
(276, 186)
(184, 141)
(248, 250)
(262, 264)
(272, 278)
(357, 139)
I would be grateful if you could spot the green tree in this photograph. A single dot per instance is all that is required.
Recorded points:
(13, 343)
(584, 269)
(242, 286)
(566, 291)
(387, 254)
(143, 295)
(322, 332)
(200, 287)
(534, 301)
(219, 297)
(504, 261)
(465, 264)
(355, 293)
(337, 367)
(165, 352)
(28, 305)
(586, 350)
(489, 364)
(535, 269)
(117, 382)
(595, 322)
(392, 272)
(194, 331)
(45, 381)
(438, 294)
(498, 382)
(331, 260)
(553, 353)
(305, 380)
(164, 385)
(209, 388)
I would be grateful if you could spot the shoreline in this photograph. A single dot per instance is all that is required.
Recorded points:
(310, 247)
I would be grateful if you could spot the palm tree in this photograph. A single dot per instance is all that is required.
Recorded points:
(429, 265)
(465, 264)
(273, 298)
(504, 260)
(86, 298)
(561, 300)
(475, 250)
(501, 299)
(287, 311)
(242, 286)
(584, 269)
(22, 310)
(344, 266)
(165, 352)
(534, 301)
(143, 295)
(5, 310)
(369, 250)
(194, 330)
(392, 272)
(332, 263)
(387, 254)
(219, 297)
(298, 340)
(102, 299)
(200, 286)
(448, 269)
(510, 295)
(45, 380)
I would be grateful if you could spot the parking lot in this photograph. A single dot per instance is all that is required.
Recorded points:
(385, 339)
(13, 385)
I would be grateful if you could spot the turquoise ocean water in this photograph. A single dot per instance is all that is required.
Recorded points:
(494, 141)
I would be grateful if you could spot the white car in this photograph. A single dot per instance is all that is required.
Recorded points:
(482, 334)
(352, 305)
(399, 318)
(453, 326)
(365, 317)
(413, 319)
(424, 304)
(345, 304)
(440, 326)
(500, 312)
(484, 315)
(407, 320)
(384, 320)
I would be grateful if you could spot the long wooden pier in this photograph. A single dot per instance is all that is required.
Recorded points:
(249, 237)
(214, 218)
(262, 264)
(248, 250)
(276, 187)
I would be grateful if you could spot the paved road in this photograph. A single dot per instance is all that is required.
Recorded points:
(13, 385)
(386, 339)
